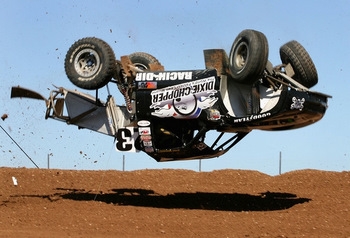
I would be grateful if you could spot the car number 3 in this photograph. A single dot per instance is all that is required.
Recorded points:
(126, 139)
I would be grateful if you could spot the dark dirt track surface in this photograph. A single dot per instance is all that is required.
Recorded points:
(173, 203)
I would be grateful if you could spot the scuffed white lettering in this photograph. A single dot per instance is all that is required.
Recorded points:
(160, 76)
(252, 117)
(197, 87)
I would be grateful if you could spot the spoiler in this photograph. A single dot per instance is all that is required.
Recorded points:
(18, 92)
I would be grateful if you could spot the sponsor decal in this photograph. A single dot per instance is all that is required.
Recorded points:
(147, 85)
(160, 76)
(143, 123)
(146, 138)
(213, 114)
(185, 100)
(252, 117)
(149, 149)
(147, 143)
(145, 135)
(144, 131)
(297, 103)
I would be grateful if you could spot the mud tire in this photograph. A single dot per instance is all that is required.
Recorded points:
(304, 68)
(143, 60)
(248, 56)
(90, 63)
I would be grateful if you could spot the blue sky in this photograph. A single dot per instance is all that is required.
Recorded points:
(35, 36)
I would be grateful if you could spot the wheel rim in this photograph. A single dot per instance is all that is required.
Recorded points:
(141, 66)
(87, 62)
(240, 56)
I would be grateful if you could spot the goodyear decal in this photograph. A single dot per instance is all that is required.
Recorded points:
(252, 117)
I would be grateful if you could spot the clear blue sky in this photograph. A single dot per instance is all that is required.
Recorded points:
(35, 36)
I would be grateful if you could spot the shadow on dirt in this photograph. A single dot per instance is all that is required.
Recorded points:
(267, 201)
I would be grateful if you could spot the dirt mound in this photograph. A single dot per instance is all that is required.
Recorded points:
(172, 203)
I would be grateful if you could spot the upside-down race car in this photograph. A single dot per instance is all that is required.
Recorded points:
(168, 113)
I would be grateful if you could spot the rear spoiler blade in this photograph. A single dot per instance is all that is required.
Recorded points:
(18, 92)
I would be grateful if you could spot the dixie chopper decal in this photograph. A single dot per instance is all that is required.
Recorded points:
(185, 100)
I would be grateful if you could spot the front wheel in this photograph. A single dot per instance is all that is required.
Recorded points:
(248, 56)
(90, 63)
(295, 54)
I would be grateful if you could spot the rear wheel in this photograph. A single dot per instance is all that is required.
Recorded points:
(143, 60)
(295, 54)
(90, 63)
(248, 56)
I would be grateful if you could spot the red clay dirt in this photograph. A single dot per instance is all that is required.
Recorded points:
(173, 203)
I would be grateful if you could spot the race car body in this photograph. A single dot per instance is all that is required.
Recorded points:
(168, 113)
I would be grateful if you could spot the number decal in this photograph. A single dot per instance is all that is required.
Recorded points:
(123, 140)
(126, 139)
